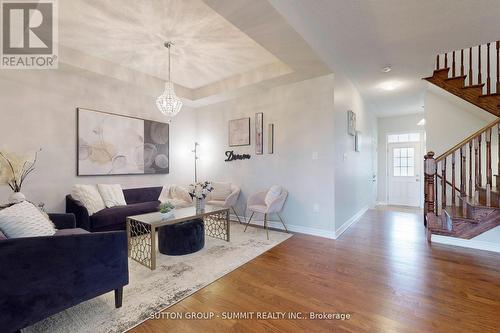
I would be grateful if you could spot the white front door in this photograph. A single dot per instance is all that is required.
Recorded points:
(404, 166)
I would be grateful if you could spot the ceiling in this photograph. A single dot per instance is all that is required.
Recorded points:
(359, 37)
(227, 48)
(131, 33)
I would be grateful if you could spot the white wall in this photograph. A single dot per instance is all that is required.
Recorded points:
(38, 110)
(302, 114)
(354, 188)
(450, 119)
(311, 140)
(389, 125)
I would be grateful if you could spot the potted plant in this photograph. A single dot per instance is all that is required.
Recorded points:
(14, 169)
(200, 191)
(166, 210)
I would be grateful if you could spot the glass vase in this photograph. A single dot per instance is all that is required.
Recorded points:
(200, 205)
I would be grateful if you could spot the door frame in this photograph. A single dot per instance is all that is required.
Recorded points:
(388, 165)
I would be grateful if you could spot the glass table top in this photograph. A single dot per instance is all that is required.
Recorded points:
(180, 214)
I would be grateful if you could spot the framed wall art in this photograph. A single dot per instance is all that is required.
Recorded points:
(270, 139)
(259, 133)
(111, 144)
(357, 141)
(239, 132)
(351, 123)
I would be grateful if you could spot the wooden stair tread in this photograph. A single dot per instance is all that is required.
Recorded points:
(456, 212)
(470, 93)
(481, 202)
(456, 77)
(480, 85)
(497, 94)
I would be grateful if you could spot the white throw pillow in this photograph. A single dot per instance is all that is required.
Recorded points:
(179, 192)
(221, 191)
(25, 220)
(165, 194)
(112, 194)
(89, 197)
(273, 193)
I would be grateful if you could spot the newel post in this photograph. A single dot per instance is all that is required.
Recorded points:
(429, 186)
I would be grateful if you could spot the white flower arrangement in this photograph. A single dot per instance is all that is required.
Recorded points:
(14, 169)
(200, 190)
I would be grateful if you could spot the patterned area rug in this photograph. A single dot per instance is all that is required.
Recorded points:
(175, 278)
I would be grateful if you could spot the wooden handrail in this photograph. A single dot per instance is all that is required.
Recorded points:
(466, 140)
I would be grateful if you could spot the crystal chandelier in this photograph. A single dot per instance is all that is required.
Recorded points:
(168, 103)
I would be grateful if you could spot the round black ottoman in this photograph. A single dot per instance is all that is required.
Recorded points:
(182, 238)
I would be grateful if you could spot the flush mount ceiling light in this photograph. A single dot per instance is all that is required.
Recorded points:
(389, 85)
(168, 103)
(386, 69)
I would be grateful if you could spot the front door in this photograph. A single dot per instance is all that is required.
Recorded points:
(404, 166)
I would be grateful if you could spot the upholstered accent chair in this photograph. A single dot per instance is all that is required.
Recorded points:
(267, 202)
(224, 195)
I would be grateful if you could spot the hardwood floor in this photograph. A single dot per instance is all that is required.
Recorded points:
(381, 271)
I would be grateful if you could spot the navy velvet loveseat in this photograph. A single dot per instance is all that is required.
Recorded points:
(41, 276)
(139, 201)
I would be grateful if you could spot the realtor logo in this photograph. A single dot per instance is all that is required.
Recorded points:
(29, 32)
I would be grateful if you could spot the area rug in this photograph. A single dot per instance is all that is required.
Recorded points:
(175, 278)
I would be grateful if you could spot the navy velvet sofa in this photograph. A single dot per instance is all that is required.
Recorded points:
(139, 201)
(41, 276)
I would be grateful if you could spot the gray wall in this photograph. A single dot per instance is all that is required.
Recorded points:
(326, 190)
(38, 110)
(302, 114)
(354, 188)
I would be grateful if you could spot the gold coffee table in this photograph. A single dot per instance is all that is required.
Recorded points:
(141, 230)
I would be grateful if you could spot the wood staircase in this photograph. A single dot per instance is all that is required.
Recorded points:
(458, 77)
(461, 199)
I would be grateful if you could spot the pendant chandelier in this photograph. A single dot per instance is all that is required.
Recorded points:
(168, 103)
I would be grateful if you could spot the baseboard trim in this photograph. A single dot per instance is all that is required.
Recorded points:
(291, 227)
(351, 221)
(331, 234)
(469, 243)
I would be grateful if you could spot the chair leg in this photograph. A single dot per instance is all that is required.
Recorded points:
(265, 226)
(282, 222)
(234, 211)
(250, 219)
(118, 297)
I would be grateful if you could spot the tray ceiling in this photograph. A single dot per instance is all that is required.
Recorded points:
(131, 33)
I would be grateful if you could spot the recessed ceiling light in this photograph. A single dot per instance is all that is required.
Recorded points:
(389, 85)
(386, 69)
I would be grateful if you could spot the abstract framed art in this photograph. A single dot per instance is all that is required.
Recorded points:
(111, 144)
(351, 123)
(357, 141)
(270, 139)
(259, 133)
(239, 132)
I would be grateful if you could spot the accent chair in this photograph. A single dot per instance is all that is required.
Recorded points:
(267, 202)
(228, 201)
